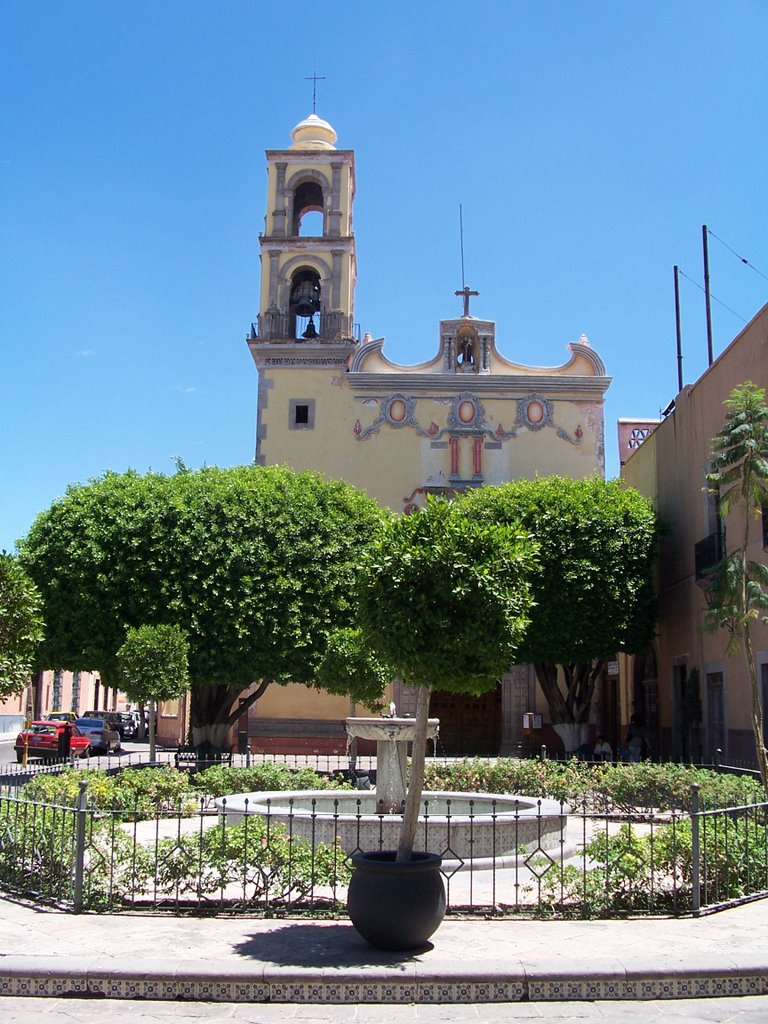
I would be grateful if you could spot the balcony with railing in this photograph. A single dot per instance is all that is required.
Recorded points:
(323, 327)
(707, 553)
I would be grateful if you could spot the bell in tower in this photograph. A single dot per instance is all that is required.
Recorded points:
(304, 303)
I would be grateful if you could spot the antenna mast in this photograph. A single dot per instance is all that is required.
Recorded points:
(461, 243)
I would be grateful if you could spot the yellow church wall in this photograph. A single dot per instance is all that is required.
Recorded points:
(394, 461)
(296, 701)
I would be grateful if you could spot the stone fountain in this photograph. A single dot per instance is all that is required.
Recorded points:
(392, 736)
(471, 830)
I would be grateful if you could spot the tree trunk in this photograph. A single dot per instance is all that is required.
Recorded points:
(573, 734)
(416, 781)
(210, 740)
(152, 727)
(569, 712)
(749, 658)
(212, 712)
(757, 710)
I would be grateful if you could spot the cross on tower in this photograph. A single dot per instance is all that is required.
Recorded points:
(465, 292)
(314, 78)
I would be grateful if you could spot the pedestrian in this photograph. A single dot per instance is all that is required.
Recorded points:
(635, 740)
(603, 750)
(64, 741)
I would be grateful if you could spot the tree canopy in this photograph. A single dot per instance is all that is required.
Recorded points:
(256, 564)
(154, 665)
(593, 591)
(445, 598)
(445, 601)
(21, 625)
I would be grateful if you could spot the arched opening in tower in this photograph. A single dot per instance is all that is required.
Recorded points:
(305, 303)
(308, 199)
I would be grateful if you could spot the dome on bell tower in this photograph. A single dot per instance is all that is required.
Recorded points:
(313, 133)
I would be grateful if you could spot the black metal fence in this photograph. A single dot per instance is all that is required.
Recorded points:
(527, 858)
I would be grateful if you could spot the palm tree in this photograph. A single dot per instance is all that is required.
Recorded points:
(739, 478)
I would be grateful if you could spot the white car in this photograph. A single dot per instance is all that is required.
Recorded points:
(103, 738)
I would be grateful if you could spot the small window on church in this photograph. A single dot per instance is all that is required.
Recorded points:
(301, 414)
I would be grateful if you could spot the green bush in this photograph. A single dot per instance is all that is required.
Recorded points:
(139, 792)
(253, 860)
(628, 788)
(223, 780)
(733, 854)
(617, 876)
(36, 848)
(629, 872)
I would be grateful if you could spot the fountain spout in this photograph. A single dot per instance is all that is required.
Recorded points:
(392, 736)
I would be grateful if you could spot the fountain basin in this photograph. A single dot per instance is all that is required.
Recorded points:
(461, 826)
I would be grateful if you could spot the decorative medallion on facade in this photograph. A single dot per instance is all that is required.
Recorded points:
(466, 416)
(397, 410)
(535, 411)
(466, 413)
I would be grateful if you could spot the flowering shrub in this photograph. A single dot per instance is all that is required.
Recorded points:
(223, 780)
(629, 788)
(138, 791)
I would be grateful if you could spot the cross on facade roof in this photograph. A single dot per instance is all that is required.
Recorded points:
(314, 78)
(465, 292)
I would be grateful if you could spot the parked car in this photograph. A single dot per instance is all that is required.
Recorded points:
(42, 740)
(101, 735)
(130, 721)
(113, 718)
(60, 716)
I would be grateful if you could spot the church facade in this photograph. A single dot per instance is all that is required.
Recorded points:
(330, 400)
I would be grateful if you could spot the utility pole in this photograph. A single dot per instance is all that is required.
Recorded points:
(705, 241)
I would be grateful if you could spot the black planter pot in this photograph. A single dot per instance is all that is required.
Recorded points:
(396, 906)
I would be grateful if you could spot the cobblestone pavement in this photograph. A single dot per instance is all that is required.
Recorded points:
(742, 1010)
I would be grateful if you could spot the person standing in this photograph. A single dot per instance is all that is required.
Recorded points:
(65, 741)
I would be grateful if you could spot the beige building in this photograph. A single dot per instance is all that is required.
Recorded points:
(57, 691)
(332, 401)
(693, 699)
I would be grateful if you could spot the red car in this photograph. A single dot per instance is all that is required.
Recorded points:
(42, 740)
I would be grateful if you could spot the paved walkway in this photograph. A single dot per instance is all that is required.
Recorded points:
(50, 953)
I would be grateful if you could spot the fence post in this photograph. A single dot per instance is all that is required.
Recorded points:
(695, 850)
(81, 813)
(543, 753)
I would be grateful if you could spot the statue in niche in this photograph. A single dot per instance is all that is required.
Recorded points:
(466, 353)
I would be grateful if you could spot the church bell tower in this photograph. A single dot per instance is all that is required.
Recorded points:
(308, 266)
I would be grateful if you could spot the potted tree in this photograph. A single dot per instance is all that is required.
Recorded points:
(444, 602)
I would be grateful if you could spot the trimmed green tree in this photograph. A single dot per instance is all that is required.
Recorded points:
(737, 590)
(593, 592)
(445, 601)
(256, 564)
(21, 625)
(153, 663)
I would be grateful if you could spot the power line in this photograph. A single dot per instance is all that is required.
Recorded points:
(742, 259)
(720, 301)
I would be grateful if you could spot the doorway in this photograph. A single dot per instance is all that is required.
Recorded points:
(469, 724)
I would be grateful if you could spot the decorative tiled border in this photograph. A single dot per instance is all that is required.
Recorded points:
(383, 990)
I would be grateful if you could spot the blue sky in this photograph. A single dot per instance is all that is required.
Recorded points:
(587, 143)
